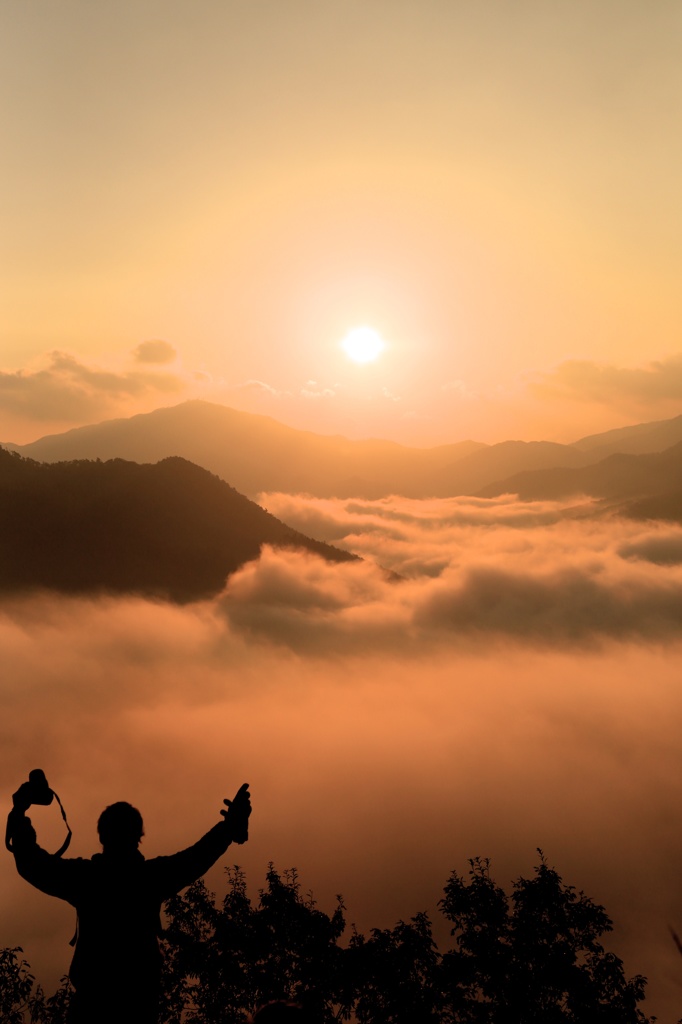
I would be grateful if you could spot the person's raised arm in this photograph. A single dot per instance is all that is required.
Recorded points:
(41, 869)
(181, 869)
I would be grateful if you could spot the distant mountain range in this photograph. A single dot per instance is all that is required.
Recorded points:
(256, 453)
(171, 530)
(618, 477)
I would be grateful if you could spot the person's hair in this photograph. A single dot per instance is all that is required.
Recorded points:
(120, 823)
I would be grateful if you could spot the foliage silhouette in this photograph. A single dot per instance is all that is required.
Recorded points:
(19, 1000)
(532, 957)
(396, 974)
(223, 961)
(16, 985)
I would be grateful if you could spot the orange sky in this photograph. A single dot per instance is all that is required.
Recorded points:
(199, 199)
(493, 187)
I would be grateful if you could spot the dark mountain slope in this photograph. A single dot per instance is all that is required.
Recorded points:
(171, 530)
(616, 477)
(662, 506)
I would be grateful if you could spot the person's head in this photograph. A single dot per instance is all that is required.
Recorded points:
(120, 827)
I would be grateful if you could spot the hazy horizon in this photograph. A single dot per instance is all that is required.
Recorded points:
(578, 435)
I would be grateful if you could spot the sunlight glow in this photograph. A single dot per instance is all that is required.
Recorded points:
(363, 344)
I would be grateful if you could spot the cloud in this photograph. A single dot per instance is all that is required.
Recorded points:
(307, 604)
(499, 569)
(155, 352)
(312, 390)
(662, 547)
(260, 387)
(617, 386)
(333, 519)
(413, 537)
(69, 391)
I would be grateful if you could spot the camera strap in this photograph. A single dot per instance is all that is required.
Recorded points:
(65, 845)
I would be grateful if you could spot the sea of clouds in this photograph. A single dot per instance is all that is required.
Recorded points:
(492, 677)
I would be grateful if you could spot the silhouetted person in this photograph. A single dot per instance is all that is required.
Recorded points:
(118, 894)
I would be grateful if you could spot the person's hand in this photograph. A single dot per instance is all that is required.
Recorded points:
(22, 798)
(237, 814)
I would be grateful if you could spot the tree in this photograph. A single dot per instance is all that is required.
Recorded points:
(19, 1000)
(223, 961)
(16, 985)
(395, 974)
(532, 958)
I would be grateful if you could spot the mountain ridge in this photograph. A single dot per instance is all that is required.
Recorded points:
(257, 453)
(620, 476)
(639, 439)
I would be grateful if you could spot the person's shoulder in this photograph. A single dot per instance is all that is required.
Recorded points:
(77, 863)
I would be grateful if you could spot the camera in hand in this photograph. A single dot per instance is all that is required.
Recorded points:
(38, 790)
(35, 791)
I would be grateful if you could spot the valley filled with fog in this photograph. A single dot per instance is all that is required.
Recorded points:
(494, 676)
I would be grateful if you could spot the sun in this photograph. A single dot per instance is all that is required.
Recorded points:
(363, 344)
